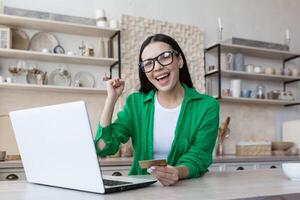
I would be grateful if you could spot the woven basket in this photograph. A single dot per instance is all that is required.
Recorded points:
(253, 150)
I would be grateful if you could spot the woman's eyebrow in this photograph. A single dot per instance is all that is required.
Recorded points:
(157, 55)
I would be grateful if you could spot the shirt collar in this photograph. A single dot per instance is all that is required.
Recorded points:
(189, 94)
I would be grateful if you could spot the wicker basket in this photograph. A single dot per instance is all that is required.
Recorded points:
(253, 150)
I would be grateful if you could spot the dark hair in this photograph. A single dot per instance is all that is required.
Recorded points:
(184, 75)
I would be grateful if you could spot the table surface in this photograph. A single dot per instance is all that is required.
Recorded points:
(216, 160)
(213, 185)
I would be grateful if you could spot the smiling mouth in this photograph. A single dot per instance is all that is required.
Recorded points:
(162, 77)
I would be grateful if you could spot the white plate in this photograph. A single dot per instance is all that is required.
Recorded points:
(85, 79)
(43, 40)
(60, 76)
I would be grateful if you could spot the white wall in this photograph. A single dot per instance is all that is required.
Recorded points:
(256, 19)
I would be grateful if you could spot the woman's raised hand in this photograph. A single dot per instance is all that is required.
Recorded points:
(115, 88)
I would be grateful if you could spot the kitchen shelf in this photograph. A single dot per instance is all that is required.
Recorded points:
(56, 26)
(58, 58)
(219, 73)
(254, 51)
(258, 101)
(51, 88)
(255, 76)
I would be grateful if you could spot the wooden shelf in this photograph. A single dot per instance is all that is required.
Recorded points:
(56, 26)
(255, 51)
(51, 88)
(59, 58)
(255, 76)
(258, 101)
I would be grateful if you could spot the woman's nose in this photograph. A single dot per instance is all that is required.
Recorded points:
(157, 66)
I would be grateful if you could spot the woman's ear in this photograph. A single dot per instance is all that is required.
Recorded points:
(180, 61)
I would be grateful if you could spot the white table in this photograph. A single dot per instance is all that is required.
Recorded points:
(214, 185)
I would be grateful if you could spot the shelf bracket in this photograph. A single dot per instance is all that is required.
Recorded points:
(288, 59)
(292, 104)
(118, 35)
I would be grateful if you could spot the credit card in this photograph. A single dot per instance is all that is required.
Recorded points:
(145, 164)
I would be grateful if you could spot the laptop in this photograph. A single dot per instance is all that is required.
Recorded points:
(57, 149)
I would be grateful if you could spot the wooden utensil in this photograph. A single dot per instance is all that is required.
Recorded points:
(223, 130)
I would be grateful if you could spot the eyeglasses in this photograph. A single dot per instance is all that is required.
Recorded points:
(164, 59)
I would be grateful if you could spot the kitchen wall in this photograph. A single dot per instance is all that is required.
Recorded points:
(255, 19)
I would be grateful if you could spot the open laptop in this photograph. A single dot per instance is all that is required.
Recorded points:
(57, 149)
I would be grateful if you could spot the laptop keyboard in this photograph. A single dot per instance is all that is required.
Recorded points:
(114, 183)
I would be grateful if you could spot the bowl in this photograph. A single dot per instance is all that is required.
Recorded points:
(283, 146)
(292, 170)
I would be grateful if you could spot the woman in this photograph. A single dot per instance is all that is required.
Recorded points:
(166, 119)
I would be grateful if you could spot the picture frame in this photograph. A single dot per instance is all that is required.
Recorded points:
(5, 38)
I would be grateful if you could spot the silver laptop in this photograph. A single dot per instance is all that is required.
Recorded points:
(57, 149)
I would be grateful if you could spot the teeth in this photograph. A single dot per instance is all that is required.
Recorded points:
(162, 76)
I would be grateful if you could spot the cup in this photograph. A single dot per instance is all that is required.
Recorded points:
(9, 80)
(295, 72)
(246, 93)
(45, 50)
(235, 87)
(258, 69)
(250, 68)
(269, 71)
(70, 53)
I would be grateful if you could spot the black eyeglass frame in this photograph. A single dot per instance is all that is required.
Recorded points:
(172, 52)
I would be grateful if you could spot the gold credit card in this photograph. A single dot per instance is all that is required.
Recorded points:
(145, 164)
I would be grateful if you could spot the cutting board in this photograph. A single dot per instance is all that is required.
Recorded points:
(291, 132)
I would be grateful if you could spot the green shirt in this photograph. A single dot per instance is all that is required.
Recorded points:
(195, 133)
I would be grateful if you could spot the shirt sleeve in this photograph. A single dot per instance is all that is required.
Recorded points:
(116, 133)
(199, 155)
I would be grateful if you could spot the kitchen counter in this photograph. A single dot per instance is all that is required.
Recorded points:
(217, 159)
(237, 159)
(214, 185)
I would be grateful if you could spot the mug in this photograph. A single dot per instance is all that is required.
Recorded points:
(246, 93)
(250, 68)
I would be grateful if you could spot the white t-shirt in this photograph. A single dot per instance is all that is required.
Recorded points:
(165, 120)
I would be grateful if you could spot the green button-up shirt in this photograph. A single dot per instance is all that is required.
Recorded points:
(195, 133)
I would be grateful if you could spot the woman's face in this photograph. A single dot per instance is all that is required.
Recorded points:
(164, 78)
